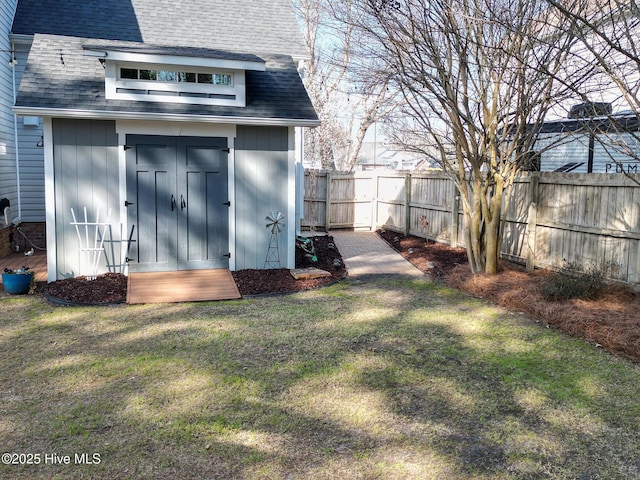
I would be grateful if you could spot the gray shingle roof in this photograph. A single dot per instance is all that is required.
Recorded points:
(58, 76)
(252, 26)
(143, 48)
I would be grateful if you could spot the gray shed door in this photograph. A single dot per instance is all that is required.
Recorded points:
(177, 194)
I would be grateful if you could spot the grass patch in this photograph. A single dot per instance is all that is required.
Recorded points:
(382, 379)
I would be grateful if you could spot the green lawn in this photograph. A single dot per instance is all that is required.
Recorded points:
(385, 379)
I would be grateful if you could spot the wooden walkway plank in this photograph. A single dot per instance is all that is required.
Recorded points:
(181, 286)
(153, 287)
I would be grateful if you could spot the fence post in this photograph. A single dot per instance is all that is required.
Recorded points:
(455, 207)
(374, 201)
(327, 204)
(532, 220)
(407, 204)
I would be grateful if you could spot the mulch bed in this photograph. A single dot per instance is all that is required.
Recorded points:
(437, 259)
(280, 280)
(112, 287)
(611, 320)
(106, 289)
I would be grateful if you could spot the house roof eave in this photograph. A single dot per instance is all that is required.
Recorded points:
(21, 38)
(187, 56)
(119, 115)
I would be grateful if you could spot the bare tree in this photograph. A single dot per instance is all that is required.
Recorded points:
(347, 98)
(607, 36)
(372, 102)
(478, 77)
(322, 79)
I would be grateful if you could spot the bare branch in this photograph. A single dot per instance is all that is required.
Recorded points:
(478, 78)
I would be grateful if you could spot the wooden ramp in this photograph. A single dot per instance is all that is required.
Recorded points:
(181, 286)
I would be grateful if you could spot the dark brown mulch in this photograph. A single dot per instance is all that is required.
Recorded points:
(610, 320)
(261, 282)
(106, 289)
(112, 287)
(435, 258)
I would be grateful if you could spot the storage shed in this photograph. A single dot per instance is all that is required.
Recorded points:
(187, 135)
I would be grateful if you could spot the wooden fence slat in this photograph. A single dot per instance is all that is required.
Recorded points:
(552, 218)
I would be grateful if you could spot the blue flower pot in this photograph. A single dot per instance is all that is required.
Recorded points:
(17, 283)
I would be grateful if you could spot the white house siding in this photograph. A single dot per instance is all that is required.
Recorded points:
(569, 152)
(8, 180)
(262, 179)
(85, 160)
(615, 153)
(558, 151)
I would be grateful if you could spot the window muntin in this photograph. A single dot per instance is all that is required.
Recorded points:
(129, 73)
(171, 76)
(157, 82)
(188, 77)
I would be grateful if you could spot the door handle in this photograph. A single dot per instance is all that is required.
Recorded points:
(182, 203)
(173, 202)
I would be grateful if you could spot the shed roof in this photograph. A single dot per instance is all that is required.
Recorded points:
(257, 27)
(59, 80)
(146, 49)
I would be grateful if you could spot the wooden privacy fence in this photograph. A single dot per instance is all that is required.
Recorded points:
(553, 219)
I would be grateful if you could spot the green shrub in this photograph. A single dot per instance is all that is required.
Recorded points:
(572, 282)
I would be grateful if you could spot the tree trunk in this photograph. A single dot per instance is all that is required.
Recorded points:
(493, 228)
(356, 146)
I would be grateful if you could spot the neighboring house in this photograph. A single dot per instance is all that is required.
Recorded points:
(605, 144)
(595, 131)
(177, 116)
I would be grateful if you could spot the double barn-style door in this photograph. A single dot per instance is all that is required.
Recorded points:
(177, 202)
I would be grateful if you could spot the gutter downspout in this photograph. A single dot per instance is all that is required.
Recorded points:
(15, 140)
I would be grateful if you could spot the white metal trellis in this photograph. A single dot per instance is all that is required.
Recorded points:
(93, 252)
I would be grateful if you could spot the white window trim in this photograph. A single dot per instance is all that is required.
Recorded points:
(113, 83)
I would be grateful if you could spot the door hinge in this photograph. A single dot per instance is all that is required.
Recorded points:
(227, 203)
(127, 203)
(228, 255)
(226, 150)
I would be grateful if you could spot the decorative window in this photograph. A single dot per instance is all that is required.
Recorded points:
(178, 84)
(170, 76)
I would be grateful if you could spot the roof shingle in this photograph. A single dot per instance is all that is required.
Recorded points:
(58, 76)
(252, 26)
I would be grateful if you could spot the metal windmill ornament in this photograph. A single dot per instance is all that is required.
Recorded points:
(275, 221)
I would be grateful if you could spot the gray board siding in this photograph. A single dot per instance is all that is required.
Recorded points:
(565, 145)
(85, 158)
(8, 183)
(60, 77)
(261, 179)
(31, 156)
(86, 174)
(240, 25)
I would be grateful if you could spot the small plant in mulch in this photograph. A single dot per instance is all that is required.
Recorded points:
(572, 281)
(279, 280)
(431, 257)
